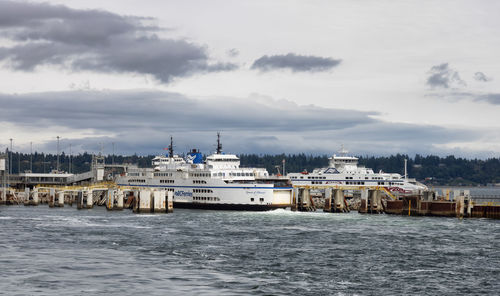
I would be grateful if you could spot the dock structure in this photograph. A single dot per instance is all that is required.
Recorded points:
(335, 198)
(378, 200)
(108, 194)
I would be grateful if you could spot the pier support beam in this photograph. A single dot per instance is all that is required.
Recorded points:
(120, 195)
(144, 202)
(3, 196)
(60, 199)
(52, 197)
(71, 198)
(375, 202)
(27, 197)
(305, 203)
(339, 204)
(90, 199)
(160, 205)
(170, 201)
(80, 200)
(110, 200)
(35, 199)
(460, 205)
(363, 203)
(328, 200)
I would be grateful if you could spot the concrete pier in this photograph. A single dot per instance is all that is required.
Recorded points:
(35, 199)
(90, 199)
(31, 197)
(52, 197)
(144, 202)
(80, 202)
(60, 199)
(120, 195)
(160, 204)
(3, 196)
(339, 204)
(170, 201)
(110, 200)
(303, 200)
(335, 201)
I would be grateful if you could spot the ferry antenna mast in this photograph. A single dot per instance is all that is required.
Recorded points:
(171, 148)
(219, 145)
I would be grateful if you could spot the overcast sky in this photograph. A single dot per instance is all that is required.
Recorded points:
(380, 77)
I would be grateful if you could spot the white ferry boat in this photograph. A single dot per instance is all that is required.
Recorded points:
(344, 170)
(216, 183)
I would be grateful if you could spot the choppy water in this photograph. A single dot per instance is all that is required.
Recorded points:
(64, 251)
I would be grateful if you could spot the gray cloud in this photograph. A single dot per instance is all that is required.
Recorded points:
(96, 40)
(141, 121)
(294, 62)
(490, 98)
(443, 76)
(480, 76)
(233, 52)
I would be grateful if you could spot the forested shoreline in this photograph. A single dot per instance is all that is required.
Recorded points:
(430, 169)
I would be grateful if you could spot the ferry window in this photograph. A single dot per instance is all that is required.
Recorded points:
(251, 199)
(238, 174)
(261, 199)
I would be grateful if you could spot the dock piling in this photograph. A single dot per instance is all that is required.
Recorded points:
(90, 199)
(170, 201)
(60, 199)
(119, 200)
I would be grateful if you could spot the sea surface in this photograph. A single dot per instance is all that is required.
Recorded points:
(65, 251)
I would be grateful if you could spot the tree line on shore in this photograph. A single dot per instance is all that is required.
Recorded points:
(449, 170)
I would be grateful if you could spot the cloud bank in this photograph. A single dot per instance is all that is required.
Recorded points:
(295, 63)
(141, 122)
(96, 40)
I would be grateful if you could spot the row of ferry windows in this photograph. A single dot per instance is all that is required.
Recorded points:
(199, 182)
(244, 174)
(202, 191)
(163, 174)
(167, 181)
(200, 174)
(323, 178)
(209, 198)
(361, 183)
(136, 181)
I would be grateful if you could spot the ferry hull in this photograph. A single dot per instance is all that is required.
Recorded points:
(228, 207)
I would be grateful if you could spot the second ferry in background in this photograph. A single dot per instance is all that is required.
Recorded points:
(216, 183)
(344, 170)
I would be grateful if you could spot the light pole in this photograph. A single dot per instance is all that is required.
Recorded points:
(70, 158)
(57, 165)
(10, 158)
(31, 157)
